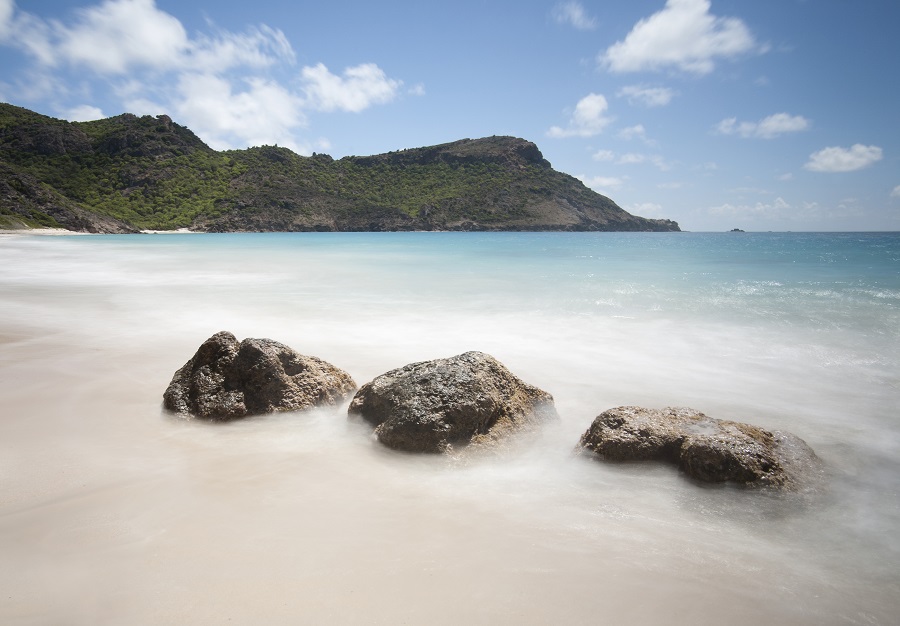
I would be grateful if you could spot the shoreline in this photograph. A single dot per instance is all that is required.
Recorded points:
(43, 232)
(61, 232)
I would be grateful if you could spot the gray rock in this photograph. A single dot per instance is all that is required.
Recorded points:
(435, 405)
(227, 379)
(705, 448)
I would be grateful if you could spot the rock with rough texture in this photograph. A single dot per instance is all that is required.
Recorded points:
(435, 405)
(227, 379)
(707, 449)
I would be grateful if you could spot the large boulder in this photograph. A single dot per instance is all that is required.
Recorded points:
(707, 449)
(435, 405)
(227, 379)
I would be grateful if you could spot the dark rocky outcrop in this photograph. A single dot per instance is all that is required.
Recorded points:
(227, 379)
(25, 202)
(435, 405)
(705, 448)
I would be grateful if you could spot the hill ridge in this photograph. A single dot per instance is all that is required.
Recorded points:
(126, 173)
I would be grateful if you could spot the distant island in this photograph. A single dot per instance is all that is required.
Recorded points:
(127, 173)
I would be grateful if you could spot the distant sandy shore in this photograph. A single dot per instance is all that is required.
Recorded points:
(40, 231)
(63, 231)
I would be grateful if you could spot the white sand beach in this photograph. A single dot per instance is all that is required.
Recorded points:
(113, 512)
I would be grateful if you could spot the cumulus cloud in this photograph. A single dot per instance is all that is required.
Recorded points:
(588, 119)
(118, 34)
(84, 113)
(837, 159)
(263, 112)
(604, 155)
(212, 82)
(683, 35)
(358, 88)
(601, 184)
(647, 96)
(573, 14)
(767, 128)
(121, 36)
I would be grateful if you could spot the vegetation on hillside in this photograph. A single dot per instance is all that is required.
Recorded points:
(150, 173)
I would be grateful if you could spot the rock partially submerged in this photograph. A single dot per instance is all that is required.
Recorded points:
(227, 379)
(435, 405)
(707, 449)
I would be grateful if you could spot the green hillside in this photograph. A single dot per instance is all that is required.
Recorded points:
(128, 173)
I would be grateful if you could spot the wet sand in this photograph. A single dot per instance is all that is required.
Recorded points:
(113, 512)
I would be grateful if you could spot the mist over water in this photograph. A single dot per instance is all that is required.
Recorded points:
(112, 511)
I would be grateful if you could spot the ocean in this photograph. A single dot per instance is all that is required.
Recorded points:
(114, 512)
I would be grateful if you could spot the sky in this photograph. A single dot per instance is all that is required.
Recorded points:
(779, 115)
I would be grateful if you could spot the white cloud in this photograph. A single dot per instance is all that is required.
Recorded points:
(84, 113)
(573, 14)
(113, 36)
(359, 88)
(684, 35)
(7, 8)
(645, 209)
(896, 192)
(119, 36)
(208, 81)
(263, 113)
(647, 96)
(601, 184)
(24, 31)
(761, 209)
(837, 159)
(767, 128)
(417, 90)
(635, 158)
(632, 158)
(256, 48)
(631, 132)
(588, 119)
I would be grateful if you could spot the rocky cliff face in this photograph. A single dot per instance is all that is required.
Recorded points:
(127, 172)
(510, 152)
(27, 203)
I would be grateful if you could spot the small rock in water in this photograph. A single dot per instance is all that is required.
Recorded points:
(434, 405)
(227, 379)
(705, 448)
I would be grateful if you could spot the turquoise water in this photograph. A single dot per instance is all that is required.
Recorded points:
(791, 331)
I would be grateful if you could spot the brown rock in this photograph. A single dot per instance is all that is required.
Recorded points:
(435, 405)
(227, 379)
(705, 448)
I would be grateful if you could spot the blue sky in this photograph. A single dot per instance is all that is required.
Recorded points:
(764, 115)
